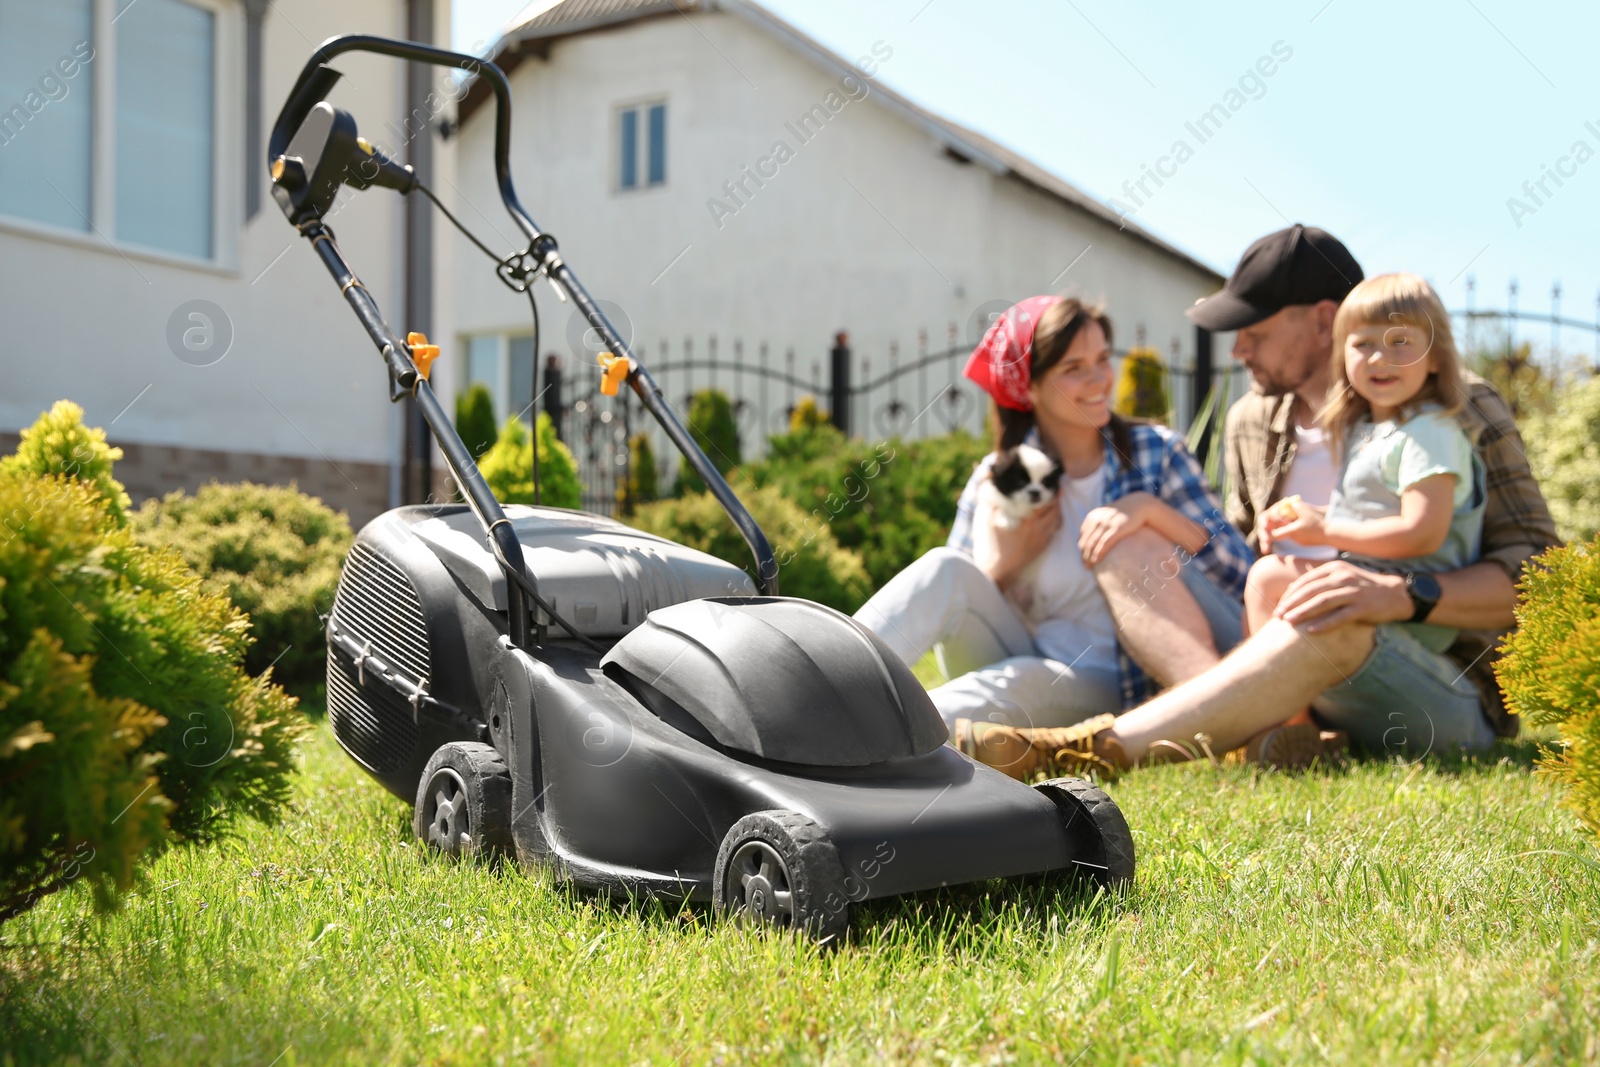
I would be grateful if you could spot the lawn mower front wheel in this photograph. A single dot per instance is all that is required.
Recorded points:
(1101, 843)
(779, 867)
(464, 801)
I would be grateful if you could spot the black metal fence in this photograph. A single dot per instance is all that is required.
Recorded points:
(889, 394)
(907, 392)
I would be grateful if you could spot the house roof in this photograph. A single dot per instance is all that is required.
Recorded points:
(534, 36)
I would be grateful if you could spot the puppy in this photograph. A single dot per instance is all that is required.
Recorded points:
(1022, 480)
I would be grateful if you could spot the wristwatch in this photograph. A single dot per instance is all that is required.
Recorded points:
(1424, 592)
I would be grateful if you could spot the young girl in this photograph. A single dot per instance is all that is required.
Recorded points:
(1411, 493)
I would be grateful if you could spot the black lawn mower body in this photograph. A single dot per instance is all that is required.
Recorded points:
(634, 715)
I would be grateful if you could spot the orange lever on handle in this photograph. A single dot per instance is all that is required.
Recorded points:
(422, 353)
(616, 371)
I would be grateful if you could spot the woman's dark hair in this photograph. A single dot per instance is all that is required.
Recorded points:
(1058, 326)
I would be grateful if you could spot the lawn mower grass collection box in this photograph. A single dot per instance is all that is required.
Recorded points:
(637, 716)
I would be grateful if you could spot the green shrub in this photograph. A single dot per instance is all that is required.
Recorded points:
(642, 487)
(475, 419)
(889, 501)
(1528, 385)
(716, 431)
(1142, 386)
(1550, 670)
(59, 443)
(126, 719)
(508, 467)
(810, 562)
(807, 415)
(275, 552)
(1564, 451)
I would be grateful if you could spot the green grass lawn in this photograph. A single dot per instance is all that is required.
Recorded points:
(1441, 912)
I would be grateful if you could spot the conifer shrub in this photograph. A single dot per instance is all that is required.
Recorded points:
(1142, 386)
(508, 467)
(1550, 668)
(715, 429)
(475, 419)
(127, 720)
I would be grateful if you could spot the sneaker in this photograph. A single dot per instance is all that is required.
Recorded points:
(1024, 753)
(1288, 747)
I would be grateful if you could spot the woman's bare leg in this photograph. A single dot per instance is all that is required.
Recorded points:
(1159, 622)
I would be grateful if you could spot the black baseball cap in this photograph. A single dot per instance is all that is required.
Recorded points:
(1299, 265)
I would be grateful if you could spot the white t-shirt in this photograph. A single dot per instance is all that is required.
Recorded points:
(1313, 478)
(1074, 622)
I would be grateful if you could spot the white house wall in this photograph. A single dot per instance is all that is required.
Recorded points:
(301, 382)
(816, 248)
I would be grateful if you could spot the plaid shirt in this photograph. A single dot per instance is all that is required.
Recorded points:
(1516, 520)
(1163, 467)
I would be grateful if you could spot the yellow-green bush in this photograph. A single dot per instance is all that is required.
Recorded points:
(60, 444)
(508, 467)
(1550, 671)
(1142, 386)
(275, 552)
(1564, 451)
(126, 719)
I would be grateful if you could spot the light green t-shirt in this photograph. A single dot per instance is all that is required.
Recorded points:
(1428, 444)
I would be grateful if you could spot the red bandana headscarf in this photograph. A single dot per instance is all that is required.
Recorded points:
(1002, 364)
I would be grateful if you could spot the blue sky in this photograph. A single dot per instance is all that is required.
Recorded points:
(1404, 127)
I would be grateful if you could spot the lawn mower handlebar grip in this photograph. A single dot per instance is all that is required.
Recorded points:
(317, 79)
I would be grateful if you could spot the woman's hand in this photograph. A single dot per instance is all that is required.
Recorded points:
(1105, 526)
(1010, 549)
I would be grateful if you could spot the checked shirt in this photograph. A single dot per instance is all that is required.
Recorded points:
(1161, 466)
(1516, 521)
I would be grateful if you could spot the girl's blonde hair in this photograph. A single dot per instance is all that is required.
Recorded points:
(1396, 300)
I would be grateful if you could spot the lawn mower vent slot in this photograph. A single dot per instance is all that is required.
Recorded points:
(377, 604)
(372, 722)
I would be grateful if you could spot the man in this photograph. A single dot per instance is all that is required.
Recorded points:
(1335, 647)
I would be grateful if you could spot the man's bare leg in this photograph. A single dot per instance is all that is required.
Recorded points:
(1261, 683)
(1159, 623)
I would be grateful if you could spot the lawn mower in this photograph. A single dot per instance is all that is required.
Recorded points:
(638, 717)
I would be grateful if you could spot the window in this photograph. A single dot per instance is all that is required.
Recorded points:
(505, 366)
(642, 138)
(109, 120)
(166, 94)
(47, 100)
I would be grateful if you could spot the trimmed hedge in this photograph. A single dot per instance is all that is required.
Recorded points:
(1550, 669)
(127, 721)
(810, 562)
(889, 501)
(275, 552)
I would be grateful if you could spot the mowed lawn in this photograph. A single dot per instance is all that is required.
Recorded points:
(1436, 912)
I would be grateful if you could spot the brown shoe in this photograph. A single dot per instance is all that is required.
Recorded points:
(1024, 753)
(1287, 747)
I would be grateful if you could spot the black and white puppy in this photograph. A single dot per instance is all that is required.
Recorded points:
(1022, 480)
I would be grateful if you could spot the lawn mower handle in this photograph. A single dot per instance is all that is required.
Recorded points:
(541, 256)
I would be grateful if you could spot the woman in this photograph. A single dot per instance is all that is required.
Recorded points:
(1047, 365)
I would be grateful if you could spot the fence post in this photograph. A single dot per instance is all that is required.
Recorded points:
(839, 387)
(1201, 386)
